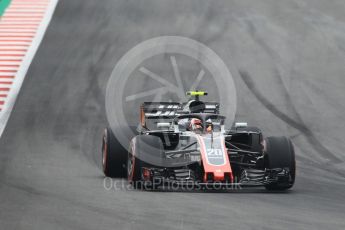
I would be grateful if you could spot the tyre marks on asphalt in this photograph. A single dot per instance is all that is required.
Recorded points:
(295, 123)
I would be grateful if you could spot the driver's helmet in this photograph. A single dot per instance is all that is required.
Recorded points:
(195, 125)
(209, 126)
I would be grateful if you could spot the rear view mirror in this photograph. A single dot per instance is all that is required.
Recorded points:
(163, 125)
(241, 125)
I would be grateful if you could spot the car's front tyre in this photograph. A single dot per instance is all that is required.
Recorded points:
(280, 153)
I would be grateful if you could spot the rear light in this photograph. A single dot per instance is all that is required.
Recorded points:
(146, 174)
(142, 117)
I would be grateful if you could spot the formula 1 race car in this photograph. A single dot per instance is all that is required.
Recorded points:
(187, 144)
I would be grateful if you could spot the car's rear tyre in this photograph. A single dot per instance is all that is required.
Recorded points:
(114, 155)
(142, 148)
(280, 153)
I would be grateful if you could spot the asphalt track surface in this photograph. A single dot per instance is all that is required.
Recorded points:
(287, 60)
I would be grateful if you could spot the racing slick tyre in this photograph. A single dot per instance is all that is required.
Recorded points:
(114, 155)
(280, 153)
(144, 151)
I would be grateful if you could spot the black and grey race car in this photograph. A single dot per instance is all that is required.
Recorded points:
(187, 144)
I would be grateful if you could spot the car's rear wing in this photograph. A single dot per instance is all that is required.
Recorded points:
(169, 110)
(160, 109)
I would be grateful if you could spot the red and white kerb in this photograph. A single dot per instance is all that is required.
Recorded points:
(22, 27)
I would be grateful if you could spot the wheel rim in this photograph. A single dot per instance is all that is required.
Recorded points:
(130, 166)
(104, 154)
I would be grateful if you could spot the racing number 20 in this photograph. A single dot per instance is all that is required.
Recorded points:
(214, 152)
